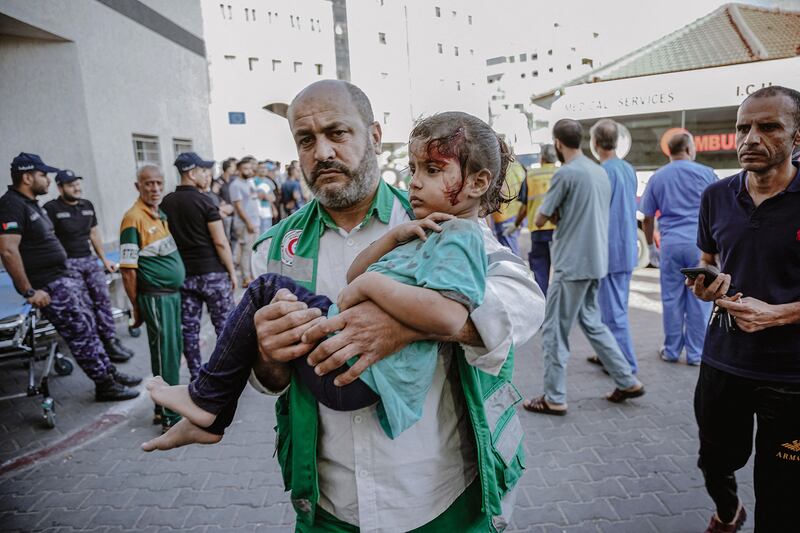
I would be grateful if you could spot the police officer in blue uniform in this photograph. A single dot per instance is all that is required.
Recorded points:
(75, 223)
(36, 262)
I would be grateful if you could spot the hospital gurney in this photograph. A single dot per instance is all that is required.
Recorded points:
(27, 337)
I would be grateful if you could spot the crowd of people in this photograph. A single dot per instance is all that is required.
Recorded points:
(384, 319)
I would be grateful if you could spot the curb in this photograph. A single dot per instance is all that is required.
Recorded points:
(115, 415)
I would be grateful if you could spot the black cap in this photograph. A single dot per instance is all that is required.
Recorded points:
(67, 176)
(189, 160)
(25, 162)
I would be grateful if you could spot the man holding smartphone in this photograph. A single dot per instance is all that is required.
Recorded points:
(749, 229)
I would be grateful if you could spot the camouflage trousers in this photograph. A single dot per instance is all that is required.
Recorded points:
(214, 289)
(74, 321)
(95, 293)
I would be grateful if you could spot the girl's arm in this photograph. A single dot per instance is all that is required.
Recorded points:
(425, 310)
(393, 238)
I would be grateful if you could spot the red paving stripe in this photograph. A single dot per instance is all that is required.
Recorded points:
(73, 440)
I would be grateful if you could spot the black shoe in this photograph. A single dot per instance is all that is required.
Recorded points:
(116, 352)
(124, 379)
(111, 391)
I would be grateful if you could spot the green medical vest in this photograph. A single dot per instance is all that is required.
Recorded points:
(490, 400)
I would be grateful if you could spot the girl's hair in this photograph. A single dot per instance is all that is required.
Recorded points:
(471, 141)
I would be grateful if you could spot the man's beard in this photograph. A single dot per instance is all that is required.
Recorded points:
(359, 185)
(70, 198)
(559, 155)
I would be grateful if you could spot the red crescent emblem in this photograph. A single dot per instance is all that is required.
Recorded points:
(291, 246)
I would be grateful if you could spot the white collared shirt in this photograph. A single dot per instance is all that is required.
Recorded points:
(385, 485)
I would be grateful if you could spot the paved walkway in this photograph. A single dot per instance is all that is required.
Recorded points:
(608, 468)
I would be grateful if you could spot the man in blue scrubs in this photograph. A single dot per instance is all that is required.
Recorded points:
(675, 190)
(622, 252)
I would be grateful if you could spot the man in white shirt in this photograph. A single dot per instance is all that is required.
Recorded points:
(428, 476)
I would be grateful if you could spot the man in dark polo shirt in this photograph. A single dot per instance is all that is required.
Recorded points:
(197, 227)
(36, 262)
(75, 225)
(749, 228)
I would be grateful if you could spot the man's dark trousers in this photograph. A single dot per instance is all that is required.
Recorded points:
(539, 257)
(74, 321)
(95, 293)
(724, 407)
(215, 290)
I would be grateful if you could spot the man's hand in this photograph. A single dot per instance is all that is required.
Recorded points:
(251, 229)
(137, 316)
(713, 292)
(510, 230)
(280, 325)
(39, 299)
(655, 255)
(234, 281)
(364, 330)
(110, 266)
(752, 314)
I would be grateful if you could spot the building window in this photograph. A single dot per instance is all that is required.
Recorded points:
(254, 15)
(535, 73)
(455, 50)
(523, 57)
(384, 75)
(230, 58)
(312, 25)
(454, 14)
(511, 59)
(230, 12)
(534, 56)
(146, 151)
(180, 146)
(297, 65)
(550, 52)
(439, 48)
(222, 8)
(298, 23)
(550, 70)
(251, 62)
(276, 63)
(381, 38)
(471, 52)
(469, 19)
(522, 75)
(386, 117)
(269, 16)
(587, 61)
(319, 26)
(458, 86)
(319, 69)
(569, 67)
(438, 11)
(291, 20)
(246, 14)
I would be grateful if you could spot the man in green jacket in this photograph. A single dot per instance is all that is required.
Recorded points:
(456, 468)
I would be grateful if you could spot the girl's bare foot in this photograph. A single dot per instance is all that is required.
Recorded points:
(176, 398)
(181, 434)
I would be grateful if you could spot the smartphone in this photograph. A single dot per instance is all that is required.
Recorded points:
(693, 272)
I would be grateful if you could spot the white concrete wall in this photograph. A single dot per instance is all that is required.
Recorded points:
(78, 103)
(274, 35)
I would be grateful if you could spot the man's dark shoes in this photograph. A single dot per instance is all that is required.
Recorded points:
(116, 352)
(124, 379)
(620, 395)
(110, 390)
(718, 526)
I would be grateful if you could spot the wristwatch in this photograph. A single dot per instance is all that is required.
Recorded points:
(29, 293)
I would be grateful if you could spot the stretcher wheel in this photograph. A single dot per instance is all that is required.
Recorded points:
(63, 366)
(134, 332)
(49, 413)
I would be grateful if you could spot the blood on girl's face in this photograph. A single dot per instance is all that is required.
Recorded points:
(436, 181)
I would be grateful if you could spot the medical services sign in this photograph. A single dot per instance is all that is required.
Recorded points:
(676, 91)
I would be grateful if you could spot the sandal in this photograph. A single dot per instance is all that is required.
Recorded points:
(596, 361)
(620, 395)
(540, 405)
